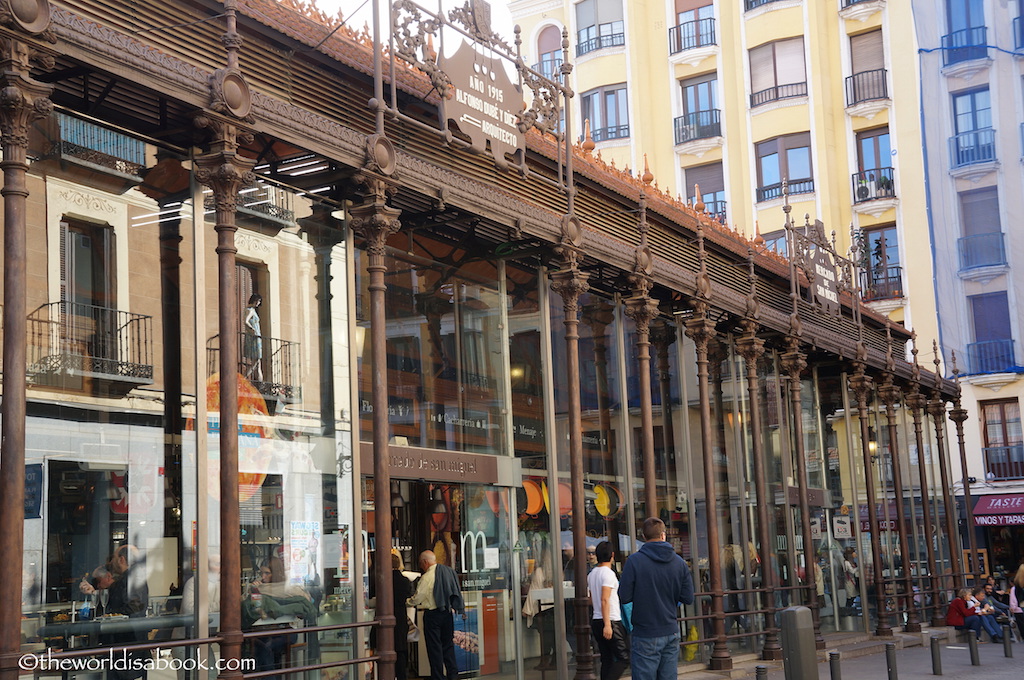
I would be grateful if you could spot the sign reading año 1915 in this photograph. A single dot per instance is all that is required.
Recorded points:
(483, 102)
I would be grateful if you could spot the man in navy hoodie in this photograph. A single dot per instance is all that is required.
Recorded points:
(656, 581)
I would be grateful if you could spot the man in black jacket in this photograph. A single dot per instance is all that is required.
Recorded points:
(438, 596)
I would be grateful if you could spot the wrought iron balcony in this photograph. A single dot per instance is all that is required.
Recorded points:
(261, 201)
(97, 146)
(965, 45)
(848, 3)
(754, 4)
(691, 34)
(799, 186)
(599, 43)
(871, 184)
(882, 283)
(77, 346)
(716, 209)
(549, 68)
(778, 92)
(991, 356)
(976, 146)
(610, 132)
(271, 365)
(982, 250)
(866, 86)
(1004, 462)
(698, 125)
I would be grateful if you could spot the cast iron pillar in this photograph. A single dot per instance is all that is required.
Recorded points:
(958, 414)
(937, 410)
(701, 330)
(226, 172)
(375, 221)
(793, 364)
(569, 282)
(642, 309)
(22, 101)
(662, 337)
(751, 348)
(890, 394)
(916, 401)
(860, 384)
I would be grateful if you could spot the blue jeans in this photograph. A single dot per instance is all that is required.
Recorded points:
(991, 626)
(972, 623)
(655, 658)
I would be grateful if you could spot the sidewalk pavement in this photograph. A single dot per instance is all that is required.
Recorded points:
(912, 663)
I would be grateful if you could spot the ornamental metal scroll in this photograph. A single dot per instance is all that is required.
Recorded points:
(828, 273)
(478, 99)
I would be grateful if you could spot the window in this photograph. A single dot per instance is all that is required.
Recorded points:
(777, 71)
(967, 33)
(972, 118)
(874, 177)
(992, 349)
(781, 158)
(776, 241)
(606, 109)
(87, 264)
(881, 266)
(867, 57)
(549, 46)
(695, 26)
(599, 24)
(1004, 443)
(701, 117)
(712, 188)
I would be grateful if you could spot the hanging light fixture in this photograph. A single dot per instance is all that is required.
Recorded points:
(437, 506)
(397, 500)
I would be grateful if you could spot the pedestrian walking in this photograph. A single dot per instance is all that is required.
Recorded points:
(656, 580)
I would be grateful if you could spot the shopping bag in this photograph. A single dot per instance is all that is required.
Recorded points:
(690, 650)
(627, 616)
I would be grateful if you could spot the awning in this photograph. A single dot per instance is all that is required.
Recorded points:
(999, 510)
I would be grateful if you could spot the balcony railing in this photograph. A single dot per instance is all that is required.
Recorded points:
(691, 34)
(982, 250)
(262, 200)
(754, 4)
(271, 365)
(77, 346)
(599, 43)
(883, 283)
(976, 146)
(549, 68)
(1018, 33)
(866, 86)
(991, 356)
(799, 186)
(847, 3)
(871, 184)
(964, 45)
(698, 125)
(1004, 462)
(716, 209)
(778, 92)
(610, 132)
(95, 145)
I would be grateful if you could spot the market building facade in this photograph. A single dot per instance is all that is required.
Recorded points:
(273, 292)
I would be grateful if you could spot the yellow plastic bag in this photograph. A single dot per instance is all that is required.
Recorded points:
(690, 650)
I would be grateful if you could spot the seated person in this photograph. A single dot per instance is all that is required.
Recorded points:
(992, 598)
(961, 616)
(986, 613)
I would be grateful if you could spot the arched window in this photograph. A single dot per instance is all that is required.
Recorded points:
(549, 46)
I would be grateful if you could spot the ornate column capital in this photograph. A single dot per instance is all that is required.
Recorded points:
(861, 384)
(914, 400)
(570, 283)
(750, 347)
(889, 392)
(936, 408)
(794, 362)
(701, 330)
(642, 310)
(958, 414)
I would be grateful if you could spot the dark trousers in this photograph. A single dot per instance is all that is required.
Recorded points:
(614, 652)
(439, 631)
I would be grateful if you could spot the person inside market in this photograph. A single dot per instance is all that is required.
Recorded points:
(273, 601)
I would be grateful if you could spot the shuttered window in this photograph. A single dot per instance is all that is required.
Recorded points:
(709, 177)
(777, 71)
(598, 24)
(550, 40)
(991, 317)
(866, 52)
(979, 211)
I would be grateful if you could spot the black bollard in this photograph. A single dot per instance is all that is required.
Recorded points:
(833, 666)
(936, 657)
(890, 660)
(761, 673)
(1007, 642)
(972, 642)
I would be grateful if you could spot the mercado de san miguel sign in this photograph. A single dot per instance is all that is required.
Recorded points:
(483, 102)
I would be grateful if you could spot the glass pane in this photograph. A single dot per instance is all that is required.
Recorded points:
(798, 163)
(770, 170)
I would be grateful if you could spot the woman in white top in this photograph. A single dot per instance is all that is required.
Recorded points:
(607, 622)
